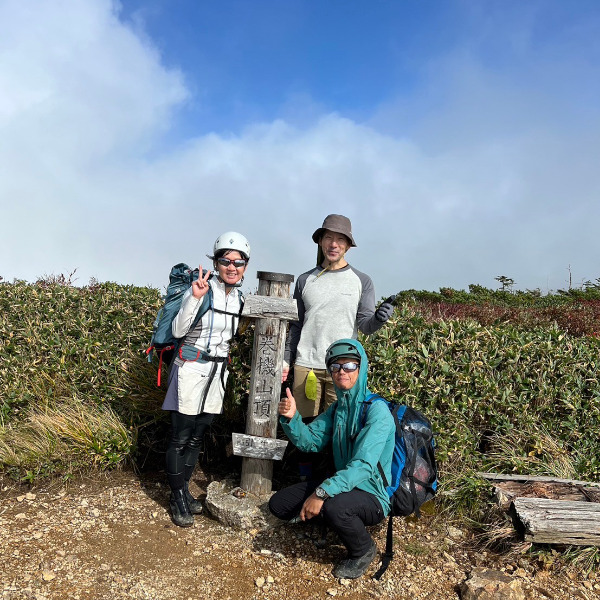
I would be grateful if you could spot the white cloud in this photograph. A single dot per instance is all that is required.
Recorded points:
(482, 185)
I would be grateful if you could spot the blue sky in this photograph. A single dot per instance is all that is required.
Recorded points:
(252, 60)
(462, 138)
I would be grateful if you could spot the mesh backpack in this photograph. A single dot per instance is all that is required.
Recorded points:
(163, 342)
(414, 468)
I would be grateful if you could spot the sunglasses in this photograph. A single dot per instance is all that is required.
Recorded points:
(238, 263)
(348, 367)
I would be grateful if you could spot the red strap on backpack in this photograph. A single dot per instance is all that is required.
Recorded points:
(160, 360)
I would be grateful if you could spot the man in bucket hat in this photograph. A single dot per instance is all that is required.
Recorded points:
(335, 300)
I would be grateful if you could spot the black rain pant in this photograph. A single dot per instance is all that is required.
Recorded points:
(185, 445)
(347, 514)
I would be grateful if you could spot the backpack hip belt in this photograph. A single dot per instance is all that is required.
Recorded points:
(194, 354)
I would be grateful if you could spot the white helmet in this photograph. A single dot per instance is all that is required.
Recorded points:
(231, 240)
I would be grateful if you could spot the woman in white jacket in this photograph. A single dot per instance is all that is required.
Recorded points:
(199, 372)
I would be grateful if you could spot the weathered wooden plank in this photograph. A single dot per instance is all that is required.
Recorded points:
(524, 478)
(258, 447)
(546, 521)
(507, 491)
(270, 307)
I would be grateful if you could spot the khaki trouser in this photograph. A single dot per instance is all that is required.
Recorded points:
(325, 392)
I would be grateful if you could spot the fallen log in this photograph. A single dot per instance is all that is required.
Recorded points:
(509, 487)
(540, 478)
(546, 521)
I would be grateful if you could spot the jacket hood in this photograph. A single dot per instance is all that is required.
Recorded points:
(358, 393)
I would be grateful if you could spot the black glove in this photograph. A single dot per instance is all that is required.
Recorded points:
(385, 310)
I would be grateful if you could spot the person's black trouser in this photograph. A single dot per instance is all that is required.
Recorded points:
(185, 445)
(347, 513)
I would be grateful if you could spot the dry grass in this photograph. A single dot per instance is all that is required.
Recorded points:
(68, 436)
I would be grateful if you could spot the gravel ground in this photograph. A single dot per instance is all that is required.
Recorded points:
(111, 537)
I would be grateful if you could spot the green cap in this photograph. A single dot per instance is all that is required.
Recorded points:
(341, 349)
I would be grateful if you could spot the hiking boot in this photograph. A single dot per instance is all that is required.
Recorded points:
(180, 511)
(352, 568)
(196, 507)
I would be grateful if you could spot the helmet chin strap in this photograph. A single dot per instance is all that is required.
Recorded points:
(231, 285)
(234, 285)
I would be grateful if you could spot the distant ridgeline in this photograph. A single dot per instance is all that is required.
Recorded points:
(577, 311)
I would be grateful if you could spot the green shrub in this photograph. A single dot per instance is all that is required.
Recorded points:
(75, 386)
(499, 397)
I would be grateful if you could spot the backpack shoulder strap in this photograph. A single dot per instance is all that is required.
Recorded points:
(364, 411)
(204, 308)
(366, 405)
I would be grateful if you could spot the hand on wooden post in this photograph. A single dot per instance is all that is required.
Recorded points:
(287, 406)
(200, 285)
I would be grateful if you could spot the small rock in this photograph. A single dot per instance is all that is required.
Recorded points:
(266, 552)
(449, 541)
(260, 582)
(520, 572)
(84, 502)
(346, 582)
(21, 498)
(332, 592)
(30, 496)
(270, 579)
(21, 516)
(48, 575)
(489, 584)
(37, 535)
(455, 533)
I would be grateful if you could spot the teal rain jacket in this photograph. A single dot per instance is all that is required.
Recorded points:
(355, 461)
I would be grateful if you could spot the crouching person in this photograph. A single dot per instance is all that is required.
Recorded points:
(354, 496)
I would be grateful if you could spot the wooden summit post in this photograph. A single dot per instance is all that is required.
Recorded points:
(272, 307)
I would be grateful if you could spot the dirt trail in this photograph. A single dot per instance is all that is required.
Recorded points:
(111, 537)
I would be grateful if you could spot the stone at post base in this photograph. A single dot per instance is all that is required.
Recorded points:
(248, 512)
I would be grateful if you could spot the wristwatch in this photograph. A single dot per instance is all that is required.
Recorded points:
(321, 493)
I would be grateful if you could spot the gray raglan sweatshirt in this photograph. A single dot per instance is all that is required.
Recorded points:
(331, 305)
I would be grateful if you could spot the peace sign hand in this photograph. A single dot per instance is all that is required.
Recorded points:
(200, 285)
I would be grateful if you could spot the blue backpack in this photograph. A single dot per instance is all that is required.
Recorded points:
(414, 468)
(163, 342)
